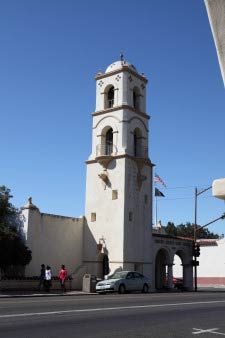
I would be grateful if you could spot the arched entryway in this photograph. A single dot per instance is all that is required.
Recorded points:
(102, 265)
(178, 265)
(182, 268)
(105, 265)
(162, 267)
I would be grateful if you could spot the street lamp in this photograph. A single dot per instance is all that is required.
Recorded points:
(196, 247)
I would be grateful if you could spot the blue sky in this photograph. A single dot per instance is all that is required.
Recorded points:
(50, 53)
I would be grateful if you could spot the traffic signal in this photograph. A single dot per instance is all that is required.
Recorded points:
(195, 249)
(194, 263)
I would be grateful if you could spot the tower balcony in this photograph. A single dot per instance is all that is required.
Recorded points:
(106, 150)
(105, 153)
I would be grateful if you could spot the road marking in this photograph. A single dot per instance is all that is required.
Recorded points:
(199, 331)
(108, 309)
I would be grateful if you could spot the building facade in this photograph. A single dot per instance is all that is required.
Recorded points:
(116, 231)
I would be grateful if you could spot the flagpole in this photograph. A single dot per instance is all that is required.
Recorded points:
(155, 199)
(157, 193)
(156, 211)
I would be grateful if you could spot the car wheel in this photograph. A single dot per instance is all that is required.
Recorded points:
(145, 288)
(122, 288)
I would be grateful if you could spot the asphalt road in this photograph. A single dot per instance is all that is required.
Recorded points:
(178, 315)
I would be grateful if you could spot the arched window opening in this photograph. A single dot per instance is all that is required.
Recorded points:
(137, 143)
(136, 98)
(109, 142)
(110, 98)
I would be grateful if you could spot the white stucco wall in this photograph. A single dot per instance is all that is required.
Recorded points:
(212, 260)
(211, 269)
(138, 231)
(109, 212)
(53, 240)
(216, 14)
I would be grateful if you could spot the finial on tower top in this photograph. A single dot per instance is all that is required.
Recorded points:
(30, 205)
(121, 57)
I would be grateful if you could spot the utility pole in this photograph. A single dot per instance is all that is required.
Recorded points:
(195, 226)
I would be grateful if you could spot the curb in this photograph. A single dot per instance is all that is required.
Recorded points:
(35, 295)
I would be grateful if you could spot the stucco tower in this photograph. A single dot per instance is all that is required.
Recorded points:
(119, 175)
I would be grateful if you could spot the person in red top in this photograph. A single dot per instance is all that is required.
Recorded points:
(62, 277)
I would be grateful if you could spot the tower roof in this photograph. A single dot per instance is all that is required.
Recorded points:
(118, 65)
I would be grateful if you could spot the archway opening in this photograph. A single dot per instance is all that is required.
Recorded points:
(105, 265)
(177, 266)
(178, 271)
(102, 266)
(136, 98)
(161, 269)
(109, 142)
(137, 146)
(110, 97)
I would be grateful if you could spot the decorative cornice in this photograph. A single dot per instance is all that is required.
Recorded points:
(124, 106)
(145, 161)
(122, 69)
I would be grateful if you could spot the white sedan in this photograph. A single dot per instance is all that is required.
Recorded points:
(124, 281)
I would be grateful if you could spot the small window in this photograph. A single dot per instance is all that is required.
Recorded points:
(114, 194)
(93, 216)
(130, 216)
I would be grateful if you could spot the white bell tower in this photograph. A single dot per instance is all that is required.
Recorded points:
(119, 175)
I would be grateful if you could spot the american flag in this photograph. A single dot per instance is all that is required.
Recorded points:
(158, 179)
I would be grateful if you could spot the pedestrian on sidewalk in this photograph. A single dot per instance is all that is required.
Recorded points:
(48, 278)
(63, 273)
(42, 277)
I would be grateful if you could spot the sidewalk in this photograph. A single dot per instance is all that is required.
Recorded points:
(30, 293)
(58, 293)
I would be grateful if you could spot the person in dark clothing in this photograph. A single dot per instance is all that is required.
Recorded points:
(42, 277)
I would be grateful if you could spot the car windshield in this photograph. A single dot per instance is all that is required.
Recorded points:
(119, 275)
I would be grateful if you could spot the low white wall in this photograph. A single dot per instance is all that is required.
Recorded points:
(54, 240)
(212, 260)
(211, 269)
